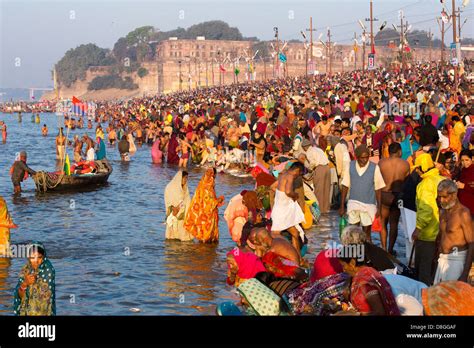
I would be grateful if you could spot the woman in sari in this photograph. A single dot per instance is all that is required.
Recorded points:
(100, 149)
(202, 218)
(242, 265)
(5, 224)
(35, 291)
(177, 202)
(371, 294)
(173, 144)
(156, 154)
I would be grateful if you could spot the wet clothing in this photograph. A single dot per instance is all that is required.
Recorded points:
(202, 219)
(123, 146)
(18, 172)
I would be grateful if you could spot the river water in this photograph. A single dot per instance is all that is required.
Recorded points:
(108, 244)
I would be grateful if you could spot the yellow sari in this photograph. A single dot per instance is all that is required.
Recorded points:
(202, 218)
(5, 224)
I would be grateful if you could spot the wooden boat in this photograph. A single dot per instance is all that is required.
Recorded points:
(59, 182)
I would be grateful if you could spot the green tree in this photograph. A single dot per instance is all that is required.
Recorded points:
(74, 64)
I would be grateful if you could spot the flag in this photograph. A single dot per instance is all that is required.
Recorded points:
(78, 107)
(67, 166)
(236, 71)
(222, 68)
(407, 49)
(282, 57)
(75, 100)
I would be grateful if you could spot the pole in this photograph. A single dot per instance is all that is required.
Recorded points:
(431, 43)
(355, 52)
(330, 52)
(442, 43)
(180, 80)
(311, 45)
(207, 73)
(306, 62)
(455, 40)
(363, 50)
(402, 43)
(372, 43)
(277, 64)
(459, 24)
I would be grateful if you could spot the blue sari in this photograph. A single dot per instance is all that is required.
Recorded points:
(40, 297)
(100, 150)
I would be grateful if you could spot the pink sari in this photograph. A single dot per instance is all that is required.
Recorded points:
(156, 154)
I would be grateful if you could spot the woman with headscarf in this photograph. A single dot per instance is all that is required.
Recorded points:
(242, 266)
(202, 218)
(236, 215)
(35, 291)
(177, 203)
(156, 154)
(131, 141)
(6, 223)
(100, 149)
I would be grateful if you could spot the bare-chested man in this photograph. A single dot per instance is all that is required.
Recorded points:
(264, 242)
(77, 149)
(184, 149)
(394, 171)
(455, 240)
(286, 212)
(60, 145)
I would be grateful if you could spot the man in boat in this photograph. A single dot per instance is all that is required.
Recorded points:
(60, 144)
(19, 172)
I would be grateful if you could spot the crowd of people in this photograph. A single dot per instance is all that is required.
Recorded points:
(383, 148)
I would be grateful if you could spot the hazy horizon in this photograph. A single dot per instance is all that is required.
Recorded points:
(36, 34)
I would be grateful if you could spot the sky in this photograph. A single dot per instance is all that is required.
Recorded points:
(35, 34)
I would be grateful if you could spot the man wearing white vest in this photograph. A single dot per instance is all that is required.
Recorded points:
(365, 182)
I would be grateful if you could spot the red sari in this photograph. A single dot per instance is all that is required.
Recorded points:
(369, 281)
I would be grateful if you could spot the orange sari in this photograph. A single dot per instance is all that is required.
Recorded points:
(202, 219)
(5, 224)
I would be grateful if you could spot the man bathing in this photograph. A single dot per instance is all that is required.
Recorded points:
(286, 212)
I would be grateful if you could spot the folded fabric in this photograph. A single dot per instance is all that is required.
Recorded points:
(259, 297)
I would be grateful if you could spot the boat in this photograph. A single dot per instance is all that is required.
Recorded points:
(58, 181)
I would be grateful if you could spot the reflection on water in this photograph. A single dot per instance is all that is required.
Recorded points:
(108, 247)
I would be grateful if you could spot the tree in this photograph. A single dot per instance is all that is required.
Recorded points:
(214, 30)
(74, 64)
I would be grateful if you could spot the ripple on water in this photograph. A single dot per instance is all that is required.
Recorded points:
(88, 240)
